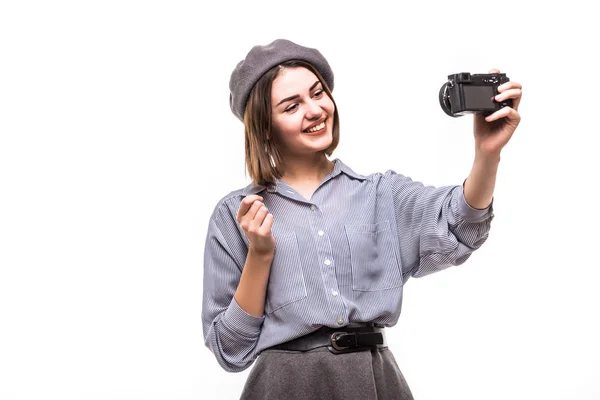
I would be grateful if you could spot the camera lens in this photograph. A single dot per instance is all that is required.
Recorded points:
(445, 99)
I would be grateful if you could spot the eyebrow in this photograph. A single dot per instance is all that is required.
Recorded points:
(297, 95)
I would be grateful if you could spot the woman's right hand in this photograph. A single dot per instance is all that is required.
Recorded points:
(256, 221)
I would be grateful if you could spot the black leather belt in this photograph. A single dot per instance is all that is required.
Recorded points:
(338, 340)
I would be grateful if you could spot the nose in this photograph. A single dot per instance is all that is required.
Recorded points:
(314, 110)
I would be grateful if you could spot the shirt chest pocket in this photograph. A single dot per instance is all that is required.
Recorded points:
(373, 257)
(286, 279)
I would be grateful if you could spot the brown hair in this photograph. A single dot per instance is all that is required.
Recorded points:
(263, 158)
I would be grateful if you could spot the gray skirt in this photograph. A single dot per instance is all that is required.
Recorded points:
(320, 374)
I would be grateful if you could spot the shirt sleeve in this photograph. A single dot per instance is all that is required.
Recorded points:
(229, 332)
(437, 228)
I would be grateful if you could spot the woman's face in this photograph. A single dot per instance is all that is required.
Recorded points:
(302, 113)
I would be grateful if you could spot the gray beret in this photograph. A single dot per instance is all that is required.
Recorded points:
(261, 59)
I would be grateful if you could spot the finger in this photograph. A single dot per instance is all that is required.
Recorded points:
(508, 94)
(505, 112)
(259, 217)
(245, 205)
(514, 94)
(251, 214)
(494, 71)
(509, 85)
(516, 103)
(267, 224)
(247, 202)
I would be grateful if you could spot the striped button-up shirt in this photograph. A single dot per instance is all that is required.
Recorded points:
(341, 257)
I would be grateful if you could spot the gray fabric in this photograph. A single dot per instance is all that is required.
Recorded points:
(261, 59)
(319, 374)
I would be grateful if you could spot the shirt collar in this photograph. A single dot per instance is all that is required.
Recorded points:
(338, 168)
(341, 167)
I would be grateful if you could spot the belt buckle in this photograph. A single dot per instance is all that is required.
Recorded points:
(334, 341)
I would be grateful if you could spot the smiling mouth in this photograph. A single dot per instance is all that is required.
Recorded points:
(317, 128)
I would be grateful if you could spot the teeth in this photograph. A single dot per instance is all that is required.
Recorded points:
(317, 128)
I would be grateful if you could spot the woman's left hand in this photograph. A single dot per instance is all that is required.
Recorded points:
(493, 132)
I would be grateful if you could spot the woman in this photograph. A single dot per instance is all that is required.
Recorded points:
(305, 266)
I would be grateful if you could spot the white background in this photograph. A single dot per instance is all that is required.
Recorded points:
(116, 142)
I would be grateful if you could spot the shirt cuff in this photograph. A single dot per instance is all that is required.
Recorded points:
(469, 213)
(242, 322)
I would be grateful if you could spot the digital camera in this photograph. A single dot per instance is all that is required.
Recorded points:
(466, 93)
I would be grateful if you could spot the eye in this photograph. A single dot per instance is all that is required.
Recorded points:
(317, 94)
(291, 108)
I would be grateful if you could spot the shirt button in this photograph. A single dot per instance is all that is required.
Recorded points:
(321, 233)
(327, 262)
(340, 321)
(313, 207)
(333, 292)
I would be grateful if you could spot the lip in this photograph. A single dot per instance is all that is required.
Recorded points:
(315, 124)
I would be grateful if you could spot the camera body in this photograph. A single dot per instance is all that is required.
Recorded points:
(467, 93)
